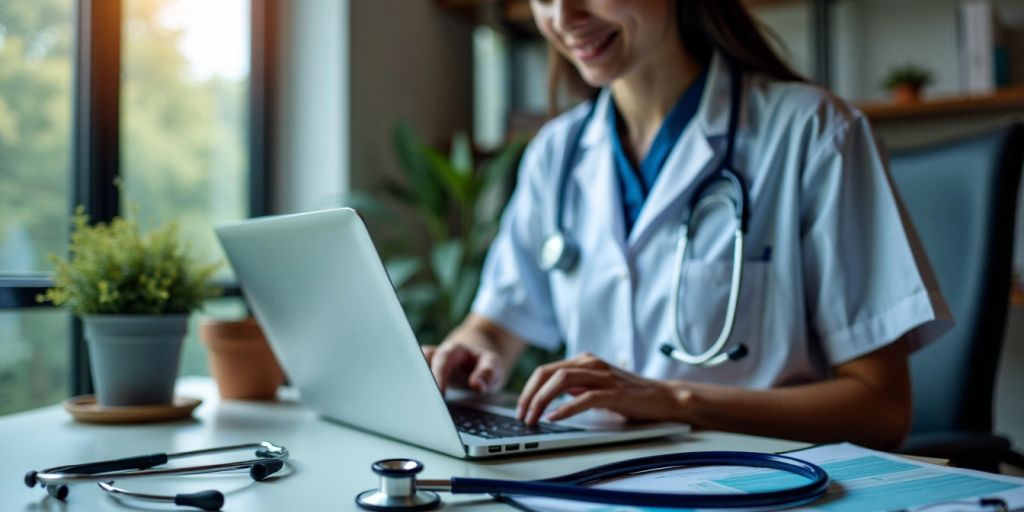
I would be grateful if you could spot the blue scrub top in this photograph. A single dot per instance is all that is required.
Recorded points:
(634, 186)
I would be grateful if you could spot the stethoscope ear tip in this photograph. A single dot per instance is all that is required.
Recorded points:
(59, 492)
(30, 479)
(205, 500)
(738, 352)
(261, 470)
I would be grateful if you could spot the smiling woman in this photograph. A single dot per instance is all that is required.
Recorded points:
(702, 157)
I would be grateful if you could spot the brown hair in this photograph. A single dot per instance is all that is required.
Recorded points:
(704, 27)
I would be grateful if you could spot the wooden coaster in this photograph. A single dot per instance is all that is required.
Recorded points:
(86, 408)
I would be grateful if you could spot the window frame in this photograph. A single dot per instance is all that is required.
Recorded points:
(96, 151)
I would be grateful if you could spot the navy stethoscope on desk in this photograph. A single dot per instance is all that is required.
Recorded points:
(269, 460)
(560, 252)
(399, 490)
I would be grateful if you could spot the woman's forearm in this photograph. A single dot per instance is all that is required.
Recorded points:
(867, 402)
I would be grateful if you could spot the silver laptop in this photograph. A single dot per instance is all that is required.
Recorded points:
(333, 319)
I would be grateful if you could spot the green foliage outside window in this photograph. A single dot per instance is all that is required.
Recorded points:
(36, 48)
(35, 129)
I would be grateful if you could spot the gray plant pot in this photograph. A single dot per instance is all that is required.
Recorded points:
(134, 358)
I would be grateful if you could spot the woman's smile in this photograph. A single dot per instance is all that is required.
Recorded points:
(590, 49)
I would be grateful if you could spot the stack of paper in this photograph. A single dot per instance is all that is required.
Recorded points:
(862, 480)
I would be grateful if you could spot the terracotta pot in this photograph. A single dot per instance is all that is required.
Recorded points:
(240, 359)
(906, 94)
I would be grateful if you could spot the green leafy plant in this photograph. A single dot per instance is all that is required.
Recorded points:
(115, 269)
(908, 74)
(437, 225)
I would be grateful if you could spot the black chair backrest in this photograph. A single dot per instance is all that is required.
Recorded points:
(962, 197)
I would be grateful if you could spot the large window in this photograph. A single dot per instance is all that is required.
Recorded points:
(36, 38)
(173, 90)
(185, 70)
(36, 68)
(184, 81)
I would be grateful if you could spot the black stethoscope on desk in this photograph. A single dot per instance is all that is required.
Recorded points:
(399, 490)
(269, 460)
(724, 186)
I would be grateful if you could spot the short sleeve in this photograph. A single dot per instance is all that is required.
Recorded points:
(868, 281)
(514, 292)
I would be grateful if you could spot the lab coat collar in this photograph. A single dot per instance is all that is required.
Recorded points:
(598, 183)
(690, 159)
(712, 116)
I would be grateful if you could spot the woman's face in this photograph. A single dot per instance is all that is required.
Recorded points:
(606, 39)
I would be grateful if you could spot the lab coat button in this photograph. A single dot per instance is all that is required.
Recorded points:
(622, 362)
(623, 275)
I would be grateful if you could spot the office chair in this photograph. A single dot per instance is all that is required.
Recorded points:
(962, 197)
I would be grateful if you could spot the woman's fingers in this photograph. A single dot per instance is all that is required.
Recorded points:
(560, 381)
(486, 372)
(542, 373)
(445, 360)
(586, 400)
(428, 352)
(537, 379)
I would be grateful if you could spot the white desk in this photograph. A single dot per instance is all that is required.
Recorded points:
(329, 463)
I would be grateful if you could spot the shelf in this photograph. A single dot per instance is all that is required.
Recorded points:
(1010, 99)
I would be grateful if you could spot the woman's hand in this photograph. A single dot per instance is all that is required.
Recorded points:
(595, 383)
(478, 354)
(463, 365)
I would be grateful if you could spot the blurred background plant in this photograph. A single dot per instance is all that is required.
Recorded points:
(434, 227)
(906, 82)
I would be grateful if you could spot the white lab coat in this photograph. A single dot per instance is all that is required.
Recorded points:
(832, 270)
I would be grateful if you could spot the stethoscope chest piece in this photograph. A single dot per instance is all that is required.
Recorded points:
(397, 490)
(558, 252)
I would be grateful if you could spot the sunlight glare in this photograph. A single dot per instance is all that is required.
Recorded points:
(215, 36)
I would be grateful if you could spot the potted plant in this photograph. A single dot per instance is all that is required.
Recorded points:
(240, 359)
(905, 83)
(134, 294)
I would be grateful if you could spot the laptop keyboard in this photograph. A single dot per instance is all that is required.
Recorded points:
(493, 426)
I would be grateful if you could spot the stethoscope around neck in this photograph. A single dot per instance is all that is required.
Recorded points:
(723, 187)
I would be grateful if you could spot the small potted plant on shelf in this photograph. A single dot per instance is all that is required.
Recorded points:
(134, 293)
(906, 82)
(240, 359)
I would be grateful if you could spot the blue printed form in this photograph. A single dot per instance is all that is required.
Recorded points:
(862, 480)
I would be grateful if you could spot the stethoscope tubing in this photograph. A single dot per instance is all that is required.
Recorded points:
(205, 500)
(572, 487)
(560, 253)
(715, 354)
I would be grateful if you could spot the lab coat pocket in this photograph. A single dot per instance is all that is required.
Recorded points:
(704, 303)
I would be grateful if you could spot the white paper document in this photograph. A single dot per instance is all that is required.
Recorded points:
(862, 480)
